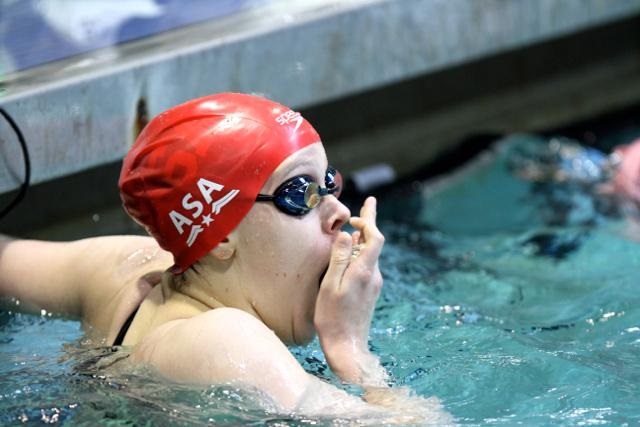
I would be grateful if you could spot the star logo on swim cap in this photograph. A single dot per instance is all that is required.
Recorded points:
(192, 207)
(206, 220)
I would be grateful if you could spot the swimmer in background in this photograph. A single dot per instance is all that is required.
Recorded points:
(563, 160)
(580, 184)
(625, 178)
(248, 256)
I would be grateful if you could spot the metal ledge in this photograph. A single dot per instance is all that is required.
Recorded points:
(76, 115)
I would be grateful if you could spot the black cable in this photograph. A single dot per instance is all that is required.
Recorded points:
(27, 164)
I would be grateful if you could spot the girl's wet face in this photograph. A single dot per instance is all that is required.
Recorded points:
(281, 257)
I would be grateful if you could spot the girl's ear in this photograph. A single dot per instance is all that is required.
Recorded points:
(224, 250)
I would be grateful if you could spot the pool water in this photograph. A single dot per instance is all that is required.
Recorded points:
(516, 303)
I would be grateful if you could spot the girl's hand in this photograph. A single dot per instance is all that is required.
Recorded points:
(347, 298)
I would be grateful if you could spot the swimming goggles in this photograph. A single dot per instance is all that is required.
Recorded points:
(298, 195)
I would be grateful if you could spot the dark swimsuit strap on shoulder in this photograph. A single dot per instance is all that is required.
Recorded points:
(125, 327)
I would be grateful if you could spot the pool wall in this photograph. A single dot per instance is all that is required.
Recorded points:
(392, 81)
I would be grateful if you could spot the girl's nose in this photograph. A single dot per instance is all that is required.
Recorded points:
(335, 214)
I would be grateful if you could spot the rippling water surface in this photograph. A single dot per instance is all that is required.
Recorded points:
(515, 303)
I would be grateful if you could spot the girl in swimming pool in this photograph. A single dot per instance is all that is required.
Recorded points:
(248, 256)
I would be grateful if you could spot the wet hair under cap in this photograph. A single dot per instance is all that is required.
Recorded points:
(195, 170)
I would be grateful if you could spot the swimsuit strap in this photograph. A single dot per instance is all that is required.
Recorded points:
(125, 327)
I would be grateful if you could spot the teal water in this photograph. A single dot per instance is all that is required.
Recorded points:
(516, 303)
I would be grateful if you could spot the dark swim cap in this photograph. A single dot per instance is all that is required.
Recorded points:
(196, 169)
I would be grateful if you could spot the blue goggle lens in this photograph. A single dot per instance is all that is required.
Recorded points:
(298, 195)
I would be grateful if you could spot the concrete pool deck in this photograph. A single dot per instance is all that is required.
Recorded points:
(455, 67)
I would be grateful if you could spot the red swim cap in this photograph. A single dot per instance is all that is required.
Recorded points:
(195, 170)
